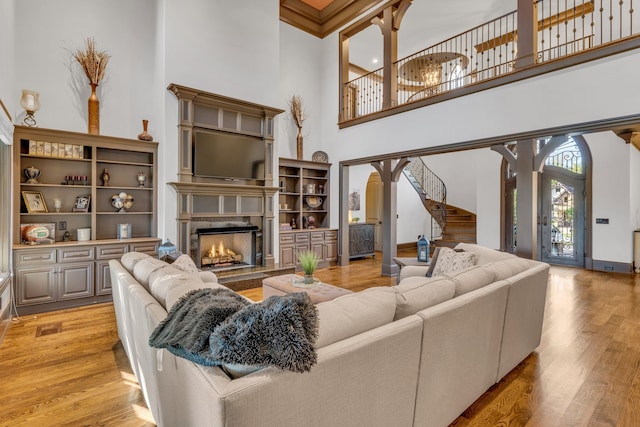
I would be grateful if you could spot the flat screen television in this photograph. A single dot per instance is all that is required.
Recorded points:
(228, 155)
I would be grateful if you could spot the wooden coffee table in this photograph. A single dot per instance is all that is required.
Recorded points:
(284, 284)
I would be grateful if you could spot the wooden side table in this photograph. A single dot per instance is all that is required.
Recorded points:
(405, 261)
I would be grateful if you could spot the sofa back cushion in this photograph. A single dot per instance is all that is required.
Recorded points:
(471, 279)
(144, 268)
(506, 268)
(130, 259)
(353, 314)
(417, 293)
(484, 255)
(162, 280)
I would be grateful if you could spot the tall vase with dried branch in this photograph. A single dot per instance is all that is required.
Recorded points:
(297, 112)
(93, 63)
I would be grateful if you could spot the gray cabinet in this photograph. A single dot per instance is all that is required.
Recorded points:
(324, 242)
(52, 277)
(361, 240)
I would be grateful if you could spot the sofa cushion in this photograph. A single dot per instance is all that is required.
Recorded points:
(353, 314)
(472, 278)
(506, 268)
(143, 269)
(417, 293)
(130, 259)
(164, 279)
(484, 255)
(449, 261)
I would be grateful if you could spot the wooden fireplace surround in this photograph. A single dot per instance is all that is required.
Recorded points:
(213, 199)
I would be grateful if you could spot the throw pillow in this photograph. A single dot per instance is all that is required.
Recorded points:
(185, 263)
(450, 261)
(434, 259)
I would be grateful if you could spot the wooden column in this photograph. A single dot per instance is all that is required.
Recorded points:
(390, 171)
(390, 72)
(527, 200)
(343, 215)
(527, 33)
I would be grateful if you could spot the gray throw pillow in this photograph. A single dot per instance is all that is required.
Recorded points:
(434, 259)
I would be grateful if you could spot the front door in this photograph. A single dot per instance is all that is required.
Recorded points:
(562, 224)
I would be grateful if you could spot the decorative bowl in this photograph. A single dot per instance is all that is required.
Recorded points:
(313, 201)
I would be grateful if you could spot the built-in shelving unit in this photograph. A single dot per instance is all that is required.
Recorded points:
(304, 211)
(59, 270)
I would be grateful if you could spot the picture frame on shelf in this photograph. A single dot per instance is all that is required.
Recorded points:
(34, 201)
(82, 204)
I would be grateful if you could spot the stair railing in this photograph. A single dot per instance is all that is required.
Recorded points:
(432, 191)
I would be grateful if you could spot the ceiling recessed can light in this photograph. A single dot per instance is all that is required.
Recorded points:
(374, 60)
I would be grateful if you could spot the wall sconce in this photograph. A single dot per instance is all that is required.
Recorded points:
(30, 103)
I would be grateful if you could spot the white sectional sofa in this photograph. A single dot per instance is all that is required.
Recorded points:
(417, 354)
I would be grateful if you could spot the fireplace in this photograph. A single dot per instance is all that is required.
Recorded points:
(228, 247)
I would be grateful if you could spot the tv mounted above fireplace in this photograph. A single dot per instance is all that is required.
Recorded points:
(228, 155)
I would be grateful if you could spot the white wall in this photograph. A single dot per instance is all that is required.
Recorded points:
(611, 197)
(45, 33)
(7, 61)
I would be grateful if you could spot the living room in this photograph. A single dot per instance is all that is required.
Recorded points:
(248, 53)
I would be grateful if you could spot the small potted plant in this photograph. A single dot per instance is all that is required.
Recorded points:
(309, 262)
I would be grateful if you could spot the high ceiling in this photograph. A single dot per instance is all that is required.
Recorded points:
(322, 17)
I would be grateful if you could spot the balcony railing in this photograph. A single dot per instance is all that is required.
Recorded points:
(490, 50)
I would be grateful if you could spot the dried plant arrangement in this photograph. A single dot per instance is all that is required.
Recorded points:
(297, 110)
(92, 61)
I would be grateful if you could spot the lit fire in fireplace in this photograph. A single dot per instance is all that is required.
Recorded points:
(221, 256)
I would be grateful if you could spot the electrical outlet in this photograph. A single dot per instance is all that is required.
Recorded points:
(62, 225)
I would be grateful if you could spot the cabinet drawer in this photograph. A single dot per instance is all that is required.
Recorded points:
(317, 236)
(150, 248)
(302, 237)
(84, 253)
(111, 251)
(46, 256)
(331, 235)
(286, 238)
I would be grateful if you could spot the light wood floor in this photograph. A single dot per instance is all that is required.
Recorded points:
(585, 373)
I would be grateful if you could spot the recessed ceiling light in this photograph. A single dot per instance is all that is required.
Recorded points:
(374, 60)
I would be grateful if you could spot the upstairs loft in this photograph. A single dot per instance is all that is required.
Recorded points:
(538, 38)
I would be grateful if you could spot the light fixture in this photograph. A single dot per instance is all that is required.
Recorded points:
(30, 103)
(431, 74)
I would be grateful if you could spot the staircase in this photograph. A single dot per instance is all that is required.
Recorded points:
(456, 225)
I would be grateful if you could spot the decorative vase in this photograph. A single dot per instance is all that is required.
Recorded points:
(141, 179)
(94, 111)
(105, 177)
(299, 143)
(144, 136)
(32, 173)
(308, 279)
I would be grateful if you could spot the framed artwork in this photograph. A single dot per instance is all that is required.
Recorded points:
(34, 200)
(82, 204)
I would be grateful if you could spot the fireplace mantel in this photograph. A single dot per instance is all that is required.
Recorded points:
(200, 202)
(201, 199)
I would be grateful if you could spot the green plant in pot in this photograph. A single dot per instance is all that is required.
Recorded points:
(309, 262)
